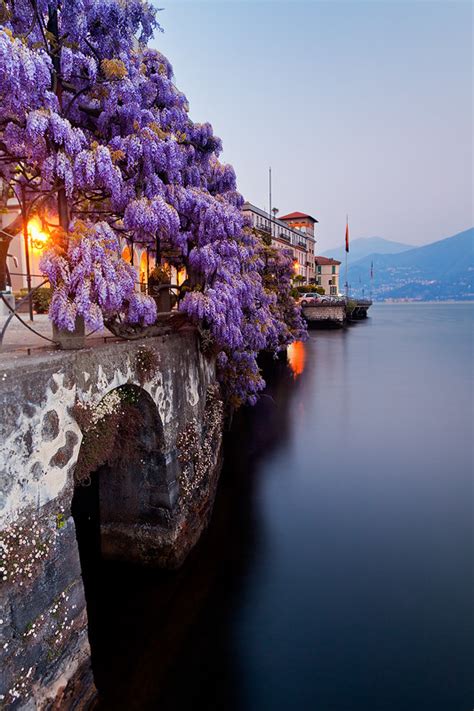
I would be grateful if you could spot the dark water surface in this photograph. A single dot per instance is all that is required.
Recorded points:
(336, 574)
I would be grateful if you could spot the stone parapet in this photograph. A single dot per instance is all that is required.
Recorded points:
(325, 313)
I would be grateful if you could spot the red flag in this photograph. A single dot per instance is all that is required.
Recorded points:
(347, 236)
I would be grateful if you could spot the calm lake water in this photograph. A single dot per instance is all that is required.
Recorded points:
(336, 574)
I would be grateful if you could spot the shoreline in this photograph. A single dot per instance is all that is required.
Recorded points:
(414, 302)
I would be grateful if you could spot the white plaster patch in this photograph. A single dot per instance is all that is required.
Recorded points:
(192, 387)
(18, 463)
(162, 394)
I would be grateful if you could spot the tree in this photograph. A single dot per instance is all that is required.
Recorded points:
(56, 71)
(96, 138)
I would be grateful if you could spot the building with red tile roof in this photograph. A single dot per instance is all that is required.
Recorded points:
(326, 260)
(327, 274)
(283, 234)
(297, 216)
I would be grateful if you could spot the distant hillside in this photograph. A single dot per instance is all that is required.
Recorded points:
(437, 271)
(361, 248)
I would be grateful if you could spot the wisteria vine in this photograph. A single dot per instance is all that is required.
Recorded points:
(93, 126)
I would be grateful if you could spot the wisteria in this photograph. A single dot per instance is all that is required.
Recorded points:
(92, 281)
(92, 123)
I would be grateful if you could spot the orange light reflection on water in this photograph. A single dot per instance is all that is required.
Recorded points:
(297, 357)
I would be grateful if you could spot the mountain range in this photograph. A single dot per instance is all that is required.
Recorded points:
(365, 246)
(437, 271)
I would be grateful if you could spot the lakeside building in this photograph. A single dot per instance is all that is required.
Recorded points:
(301, 242)
(327, 274)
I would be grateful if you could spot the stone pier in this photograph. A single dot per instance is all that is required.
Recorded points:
(334, 312)
(326, 314)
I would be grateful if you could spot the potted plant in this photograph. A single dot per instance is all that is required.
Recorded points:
(158, 280)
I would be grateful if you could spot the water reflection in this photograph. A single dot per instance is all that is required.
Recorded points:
(297, 357)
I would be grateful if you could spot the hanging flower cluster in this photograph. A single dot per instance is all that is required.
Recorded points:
(91, 115)
(91, 280)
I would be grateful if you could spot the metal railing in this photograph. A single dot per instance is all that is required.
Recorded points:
(154, 291)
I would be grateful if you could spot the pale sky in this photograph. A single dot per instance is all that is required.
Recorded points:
(360, 107)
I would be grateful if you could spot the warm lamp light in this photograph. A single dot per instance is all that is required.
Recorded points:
(38, 237)
(182, 275)
(296, 357)
(295, 265)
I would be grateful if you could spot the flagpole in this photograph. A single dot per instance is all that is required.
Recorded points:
(347, 251)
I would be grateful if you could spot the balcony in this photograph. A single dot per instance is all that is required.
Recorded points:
(283, 236)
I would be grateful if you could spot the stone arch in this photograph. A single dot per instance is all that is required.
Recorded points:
(121, 478)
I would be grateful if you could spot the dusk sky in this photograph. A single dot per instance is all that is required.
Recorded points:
(359, 107)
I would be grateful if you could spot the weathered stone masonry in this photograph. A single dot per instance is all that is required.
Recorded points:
(330, 314)
(44, 648)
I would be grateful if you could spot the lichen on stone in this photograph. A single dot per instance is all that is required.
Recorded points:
(197, 453)
(25, 544)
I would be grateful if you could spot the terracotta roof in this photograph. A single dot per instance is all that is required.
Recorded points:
(296, 215)
(325, 260)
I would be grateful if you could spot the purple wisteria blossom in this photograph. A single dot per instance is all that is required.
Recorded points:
(92, 281)
(93, 125)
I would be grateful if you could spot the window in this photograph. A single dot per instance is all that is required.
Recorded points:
(319, 269)
(333, 290)
(334, 270)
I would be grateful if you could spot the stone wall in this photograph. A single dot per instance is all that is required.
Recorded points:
(330, 314)
(44, 653)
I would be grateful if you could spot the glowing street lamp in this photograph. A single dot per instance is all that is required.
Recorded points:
(34, 236)
(38, 237)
